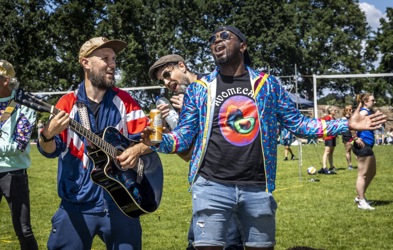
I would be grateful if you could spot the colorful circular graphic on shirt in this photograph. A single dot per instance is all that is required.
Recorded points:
(239, 122)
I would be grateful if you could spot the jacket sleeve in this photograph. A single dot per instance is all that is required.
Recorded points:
(301, 125)
(23, 121)
(136, 120)
(61, 146)
(181, 138)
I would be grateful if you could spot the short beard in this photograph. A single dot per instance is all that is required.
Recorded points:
(98, 80)
(221, 60)
(183, 85)
(228, 59)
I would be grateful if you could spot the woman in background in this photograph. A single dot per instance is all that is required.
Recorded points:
(330, 144)
(389, 136)
(363, 148)
(347, 136)
(286, 140)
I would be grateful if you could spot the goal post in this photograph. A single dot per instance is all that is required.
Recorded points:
(315, 77)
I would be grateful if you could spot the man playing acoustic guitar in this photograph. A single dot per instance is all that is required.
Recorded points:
(86, 209)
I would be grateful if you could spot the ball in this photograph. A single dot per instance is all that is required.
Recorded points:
(311, 170)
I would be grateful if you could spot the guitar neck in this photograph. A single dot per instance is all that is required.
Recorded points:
(89, 135)
(33, 102)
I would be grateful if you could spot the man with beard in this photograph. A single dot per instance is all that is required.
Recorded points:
(86, 209)
(233, 115)
(174, 73)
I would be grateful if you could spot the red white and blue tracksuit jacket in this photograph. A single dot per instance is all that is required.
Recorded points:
(273, 105)
(117, 109)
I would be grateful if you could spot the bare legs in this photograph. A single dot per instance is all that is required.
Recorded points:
(348, 150)
(367, 169)
(288, 150)
(328, 155)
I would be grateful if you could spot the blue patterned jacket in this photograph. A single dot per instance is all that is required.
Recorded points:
(273, 105)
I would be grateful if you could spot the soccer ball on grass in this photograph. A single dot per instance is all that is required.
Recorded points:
(311, 170)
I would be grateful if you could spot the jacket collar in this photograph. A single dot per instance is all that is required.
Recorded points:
(213, 75)
(82, 96)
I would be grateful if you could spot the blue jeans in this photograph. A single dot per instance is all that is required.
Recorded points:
(216, 204)
(233, 238)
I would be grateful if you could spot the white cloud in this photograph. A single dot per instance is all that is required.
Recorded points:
(372, 14)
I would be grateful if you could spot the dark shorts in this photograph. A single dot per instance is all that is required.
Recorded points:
(367, 150)
(286, 142)
(330, 143)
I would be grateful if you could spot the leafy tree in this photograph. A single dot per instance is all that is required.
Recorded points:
(384, 40)
(320, 37)
(72, 23)
(383, 43)
(26, 43)
(328, 40)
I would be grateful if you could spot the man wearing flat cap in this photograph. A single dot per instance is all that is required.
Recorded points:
(233, 113)
(86, 209)
(16, 125)
(174, 73)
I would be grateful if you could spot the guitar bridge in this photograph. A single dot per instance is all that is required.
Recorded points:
(139, 171)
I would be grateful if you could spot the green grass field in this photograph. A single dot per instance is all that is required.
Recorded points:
(315, 214)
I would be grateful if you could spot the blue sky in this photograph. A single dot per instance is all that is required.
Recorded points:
(379, 4)
(375, 9)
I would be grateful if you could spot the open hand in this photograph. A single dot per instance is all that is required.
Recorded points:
(360, 122)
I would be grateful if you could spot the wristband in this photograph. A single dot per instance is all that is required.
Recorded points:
(46, 139)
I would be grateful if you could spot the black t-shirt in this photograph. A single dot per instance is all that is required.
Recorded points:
(95, 107)
(346, 136)
(234, 153)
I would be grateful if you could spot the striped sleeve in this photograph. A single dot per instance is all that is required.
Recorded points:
(136, 119)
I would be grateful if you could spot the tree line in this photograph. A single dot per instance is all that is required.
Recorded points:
(41, 38)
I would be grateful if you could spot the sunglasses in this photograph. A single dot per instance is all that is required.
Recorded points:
(168, 72)
(225, 35)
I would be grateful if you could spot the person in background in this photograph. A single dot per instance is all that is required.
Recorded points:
(16, 126)
(174, 73)
(389, 136)
(347, 137)
(380, 135)
(286, 140)
(363, 148)
(86, 209)
(40, 126)
(233, 114)
(330, 144)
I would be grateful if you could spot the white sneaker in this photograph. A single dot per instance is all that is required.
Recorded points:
(357, 200)
(364, 205)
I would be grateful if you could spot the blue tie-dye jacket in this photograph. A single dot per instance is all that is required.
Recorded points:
(274, 106)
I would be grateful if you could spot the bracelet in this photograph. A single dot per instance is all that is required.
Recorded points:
(46, 139)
